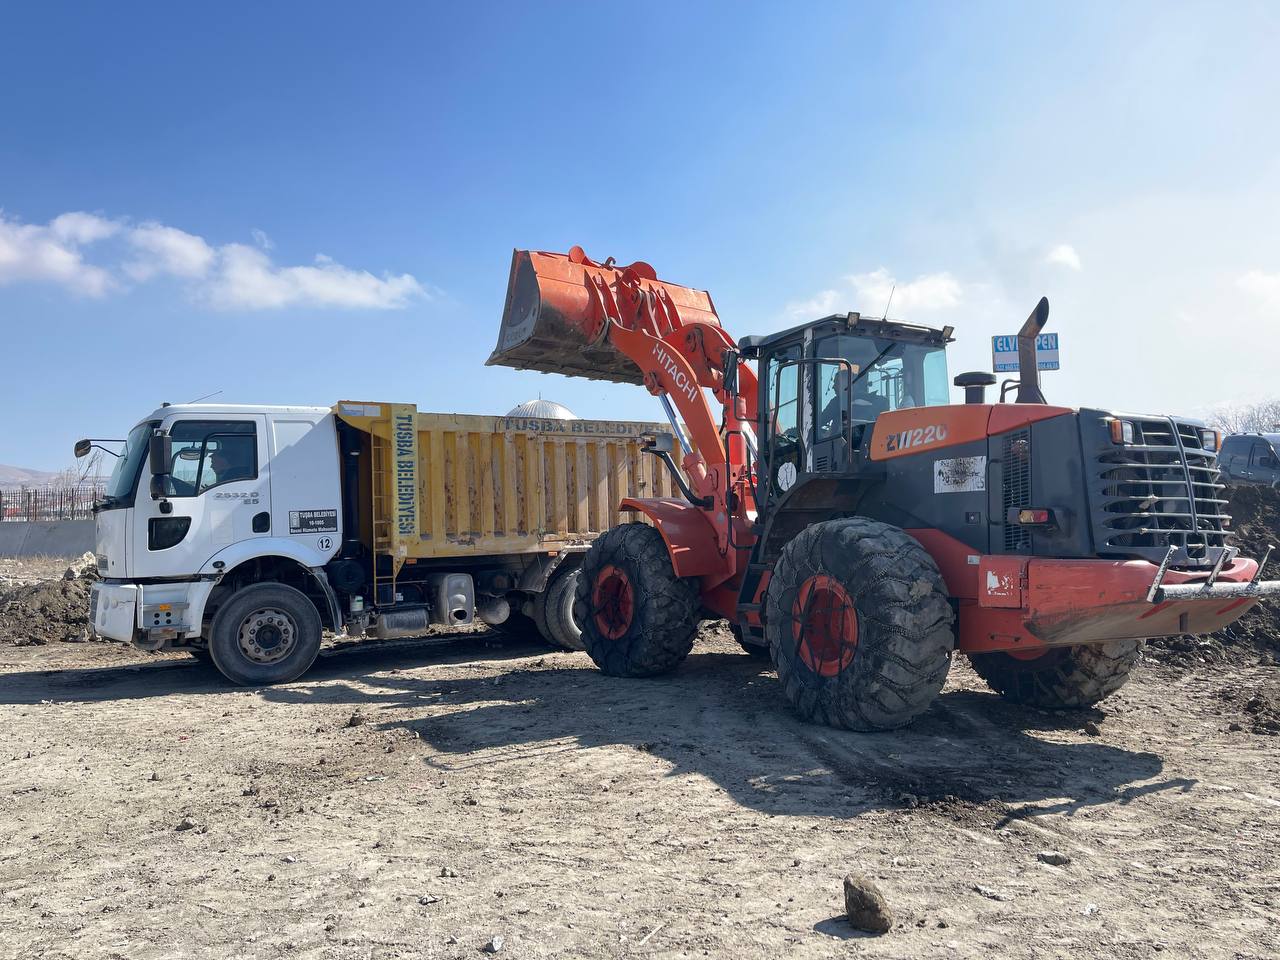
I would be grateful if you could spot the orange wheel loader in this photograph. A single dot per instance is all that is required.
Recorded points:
(859, 529)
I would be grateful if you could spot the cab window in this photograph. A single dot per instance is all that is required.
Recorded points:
(1231, 448)
(1263, 455)
(209, 453)
(782, 387)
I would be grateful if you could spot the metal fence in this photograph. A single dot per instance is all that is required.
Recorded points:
(50, 502)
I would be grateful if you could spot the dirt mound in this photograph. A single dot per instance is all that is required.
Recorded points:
(1259, 708)
(1255, 518)
(49, 611)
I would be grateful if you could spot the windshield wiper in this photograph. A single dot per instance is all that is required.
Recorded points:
(870, 366)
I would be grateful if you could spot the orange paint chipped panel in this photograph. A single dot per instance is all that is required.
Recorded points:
(1001, 580)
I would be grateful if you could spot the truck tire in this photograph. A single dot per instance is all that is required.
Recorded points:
(266, 633)
(553, 611)
(1066, 678)
(859, 625)
(638, 618)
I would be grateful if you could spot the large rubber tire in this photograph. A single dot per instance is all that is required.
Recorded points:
(553, 610)
(859, 625)
(638, 618)
(1067, 678)
(276, 621)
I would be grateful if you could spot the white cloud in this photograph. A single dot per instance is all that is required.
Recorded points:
(247, 278)
(162, 249)
(1262, 286)
(81, 228)
(822, 305)
(50, 253)
(1064, 255)
(932, 291)
(231, 276)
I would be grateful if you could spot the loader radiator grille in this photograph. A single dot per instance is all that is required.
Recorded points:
(1016, 457)
(1161, 491)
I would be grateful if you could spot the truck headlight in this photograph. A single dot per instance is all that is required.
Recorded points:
(1210, 439)
(1121, 431)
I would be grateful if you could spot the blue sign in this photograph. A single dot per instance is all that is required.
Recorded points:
(1004, 353)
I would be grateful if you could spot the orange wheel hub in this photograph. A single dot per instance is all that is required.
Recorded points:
(824, 625)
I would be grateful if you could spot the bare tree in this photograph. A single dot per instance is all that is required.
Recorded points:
(1263, 417)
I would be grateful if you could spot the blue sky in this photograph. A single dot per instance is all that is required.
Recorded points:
(793, 160)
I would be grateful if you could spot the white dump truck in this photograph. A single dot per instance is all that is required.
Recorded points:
(241, 533)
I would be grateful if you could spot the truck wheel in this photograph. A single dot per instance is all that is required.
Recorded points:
(1065, 678)
(266, 633)
(638, 618)
(553, 611)
(859, 625)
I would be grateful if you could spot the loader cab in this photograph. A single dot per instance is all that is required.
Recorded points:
(824, 384)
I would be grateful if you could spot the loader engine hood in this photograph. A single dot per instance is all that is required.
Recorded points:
(1132, 498)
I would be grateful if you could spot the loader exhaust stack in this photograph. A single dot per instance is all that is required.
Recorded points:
(559, 307)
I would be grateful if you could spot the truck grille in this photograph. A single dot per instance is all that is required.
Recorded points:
(1161, 491)
(1016, 457)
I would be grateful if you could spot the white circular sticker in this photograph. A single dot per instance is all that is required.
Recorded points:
(786, 475)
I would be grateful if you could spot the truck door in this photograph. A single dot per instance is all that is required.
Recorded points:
(305, 481)
(219, 493)
(1234, 458)
(1263, 465)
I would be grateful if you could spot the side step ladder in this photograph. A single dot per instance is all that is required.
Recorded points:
(746, 603)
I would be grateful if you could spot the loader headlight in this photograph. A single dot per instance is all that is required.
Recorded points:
(1121, 431)
(1210, 439)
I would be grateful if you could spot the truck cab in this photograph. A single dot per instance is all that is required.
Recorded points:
(1251, 458)
(198, 491)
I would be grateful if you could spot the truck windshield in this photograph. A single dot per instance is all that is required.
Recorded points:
(881, 375)
(125, 475)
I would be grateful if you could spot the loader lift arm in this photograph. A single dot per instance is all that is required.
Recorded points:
(566, 313)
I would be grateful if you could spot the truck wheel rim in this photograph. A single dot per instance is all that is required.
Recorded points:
(614, 602)
(267, 635)
(824, 625)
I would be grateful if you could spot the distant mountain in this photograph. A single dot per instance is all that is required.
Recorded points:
(20, 476)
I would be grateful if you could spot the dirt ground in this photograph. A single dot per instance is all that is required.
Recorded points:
(421, 798)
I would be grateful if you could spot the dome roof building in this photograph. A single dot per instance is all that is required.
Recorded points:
(542, 410)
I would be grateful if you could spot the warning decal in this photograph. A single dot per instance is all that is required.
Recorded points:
(960, 475)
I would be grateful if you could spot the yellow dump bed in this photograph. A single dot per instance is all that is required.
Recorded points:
(454, 485)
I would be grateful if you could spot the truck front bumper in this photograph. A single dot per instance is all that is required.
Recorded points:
(1029, 603)
(113, 610)
(151, 615)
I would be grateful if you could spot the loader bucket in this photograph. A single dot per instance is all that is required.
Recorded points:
(555, 316)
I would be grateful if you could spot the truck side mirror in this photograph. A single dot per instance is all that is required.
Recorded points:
(83, 447)
(160, 453)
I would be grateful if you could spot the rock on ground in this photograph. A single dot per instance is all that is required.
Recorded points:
(865, 905)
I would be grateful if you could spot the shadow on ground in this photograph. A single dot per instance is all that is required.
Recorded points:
(972, 757)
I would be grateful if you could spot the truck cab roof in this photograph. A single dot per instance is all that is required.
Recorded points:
(853, 323)
(224, 409)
